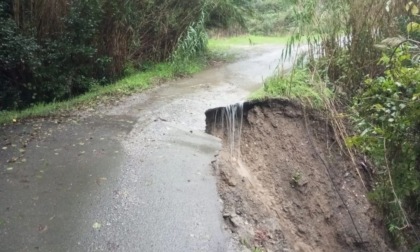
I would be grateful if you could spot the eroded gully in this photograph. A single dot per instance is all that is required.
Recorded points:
(132, 177)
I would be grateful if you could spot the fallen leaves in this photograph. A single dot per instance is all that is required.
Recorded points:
(96, 226)
(12, 160)
(42, 228)
(101, 180)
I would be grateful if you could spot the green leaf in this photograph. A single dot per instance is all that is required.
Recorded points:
(414, 10)
(378, 107)
(413, 27)
(365, 132)
(408, 5)
(411, 7)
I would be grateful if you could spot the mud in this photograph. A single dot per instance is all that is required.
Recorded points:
(289, 187)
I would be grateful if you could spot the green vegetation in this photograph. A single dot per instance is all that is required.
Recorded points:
(296, 179)
(243, 40)
(56, 55)
(229, 48)
(270, 17)
(227, 13)
(135, 80)
(376, 85)
(191, 46)
(387, 118)
(260, 18)
(133, 83)
(299, 84)
(54, 50)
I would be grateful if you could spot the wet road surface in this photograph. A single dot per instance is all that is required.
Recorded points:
(132, 177)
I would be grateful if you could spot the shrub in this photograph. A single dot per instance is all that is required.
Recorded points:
(18, 62)
(387, 114)
(55, 49)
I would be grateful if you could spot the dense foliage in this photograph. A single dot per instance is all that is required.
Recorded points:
(270, 18)
(387, 113)
(226, 13)
(56, 49)
(256, 17)
(380, 81)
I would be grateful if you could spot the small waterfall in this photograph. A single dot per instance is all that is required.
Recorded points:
(227, 123)
(230, 119)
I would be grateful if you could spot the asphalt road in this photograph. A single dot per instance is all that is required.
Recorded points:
(136, 176)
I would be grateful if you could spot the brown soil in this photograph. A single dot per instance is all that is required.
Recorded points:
(285, 189)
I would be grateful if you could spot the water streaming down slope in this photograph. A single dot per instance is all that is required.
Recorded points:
(229, 120)
(275, 147)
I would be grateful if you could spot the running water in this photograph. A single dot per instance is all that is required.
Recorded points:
(231, 119)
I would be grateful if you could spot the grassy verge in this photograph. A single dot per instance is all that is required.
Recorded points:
(138, 81)
(299, 84)
(133, 83)
(243, 40)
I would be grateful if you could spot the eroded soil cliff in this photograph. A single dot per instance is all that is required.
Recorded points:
(286, 185)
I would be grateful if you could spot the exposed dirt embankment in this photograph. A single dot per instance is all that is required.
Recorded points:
(287, 186)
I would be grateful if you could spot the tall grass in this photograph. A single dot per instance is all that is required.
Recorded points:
(247, 39)
(300, 84)
(342, 36)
